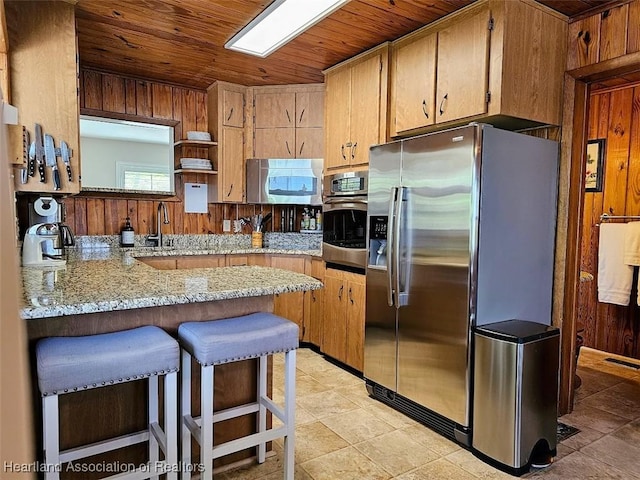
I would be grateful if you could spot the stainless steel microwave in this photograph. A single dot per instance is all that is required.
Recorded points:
(284, 181)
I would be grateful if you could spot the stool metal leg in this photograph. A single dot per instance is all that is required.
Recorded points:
(171, 423)
(206, 428)
(289, 415)
(185, 412)
(51, 440)
(262, 411)
(154, 450)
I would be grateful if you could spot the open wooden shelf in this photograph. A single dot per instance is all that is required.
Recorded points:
(195, 170)
(194, 143)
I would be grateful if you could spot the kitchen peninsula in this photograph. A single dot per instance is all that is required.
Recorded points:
(105, 290)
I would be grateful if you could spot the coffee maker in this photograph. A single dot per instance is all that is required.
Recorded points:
(48, 210)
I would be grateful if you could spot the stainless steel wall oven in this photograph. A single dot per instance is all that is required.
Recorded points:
(345, 219)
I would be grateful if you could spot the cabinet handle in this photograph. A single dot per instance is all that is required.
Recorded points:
(301, 114)
(286, 142)
(353, 150)
(340, 292)
(442, 103)
(230, 114)
(288, 117)
(424, 108)
(231, 188)
(301, 147)
(350, 296)
(313, 295)
(342, 151)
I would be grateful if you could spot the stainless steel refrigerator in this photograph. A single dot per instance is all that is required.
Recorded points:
(461, 228)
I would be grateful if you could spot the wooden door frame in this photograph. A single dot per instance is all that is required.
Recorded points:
(574, 138)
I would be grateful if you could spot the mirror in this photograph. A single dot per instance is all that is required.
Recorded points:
(126, 156)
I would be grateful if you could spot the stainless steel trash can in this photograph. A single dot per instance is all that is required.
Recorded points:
(515, 404)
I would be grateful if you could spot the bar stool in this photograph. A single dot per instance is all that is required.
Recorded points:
(230, 340)
(71, 364)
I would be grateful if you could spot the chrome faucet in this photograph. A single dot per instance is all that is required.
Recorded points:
(157, 238)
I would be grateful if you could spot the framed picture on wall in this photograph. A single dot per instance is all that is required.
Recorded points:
(595, 165)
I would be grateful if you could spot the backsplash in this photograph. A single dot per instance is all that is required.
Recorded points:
(291, 241)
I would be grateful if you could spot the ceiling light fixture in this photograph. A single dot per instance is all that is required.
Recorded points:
(279, 23)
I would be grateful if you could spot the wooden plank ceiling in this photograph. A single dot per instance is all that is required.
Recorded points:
(181, 41)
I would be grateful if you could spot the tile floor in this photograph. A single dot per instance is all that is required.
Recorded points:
(343, 434)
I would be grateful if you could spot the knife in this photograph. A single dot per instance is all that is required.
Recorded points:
(32, 159)
(65, 153)
(50, 157)
(39, 151)
(26, 147)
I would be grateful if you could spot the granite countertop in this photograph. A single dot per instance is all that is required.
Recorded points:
(102, 280)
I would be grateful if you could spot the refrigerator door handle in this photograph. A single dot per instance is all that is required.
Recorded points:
(391, 246)
(400, 297)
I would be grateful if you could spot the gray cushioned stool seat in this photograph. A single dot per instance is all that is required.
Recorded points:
(238, 338)
(78, 363)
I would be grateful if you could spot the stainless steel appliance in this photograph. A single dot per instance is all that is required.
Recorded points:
(284, 181)
(344, 219)
(461, 227)
(48, 210)
(516, 370)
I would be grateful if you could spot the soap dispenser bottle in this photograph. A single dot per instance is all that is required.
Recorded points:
(127, 234)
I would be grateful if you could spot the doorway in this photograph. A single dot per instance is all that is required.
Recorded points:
(611, 196)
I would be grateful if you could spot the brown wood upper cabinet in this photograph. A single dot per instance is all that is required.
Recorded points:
(500, 61)
(288, 121)
(44, 86)
(226, 103)
(356, 92)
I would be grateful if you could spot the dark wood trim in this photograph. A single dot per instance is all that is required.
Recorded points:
(127, 116)
(598, 9)
(614, 67)
(575, 125)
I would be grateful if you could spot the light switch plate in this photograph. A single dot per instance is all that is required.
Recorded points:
(226, 225)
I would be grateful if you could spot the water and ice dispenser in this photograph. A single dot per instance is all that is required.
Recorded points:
(378, 241)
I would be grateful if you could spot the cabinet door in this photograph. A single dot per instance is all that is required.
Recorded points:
(309, 109)
(200, 261)
(232, 109)
(365, 109)
(463, 68)
(334, 334)
(275, 143)
(43, 72)
(314, 303)
(355, 323)
(414, 83)
(313, 316)
(309, 143)
(275, 110)
(236, 260)
(337, 121)
(290, 305)
(231, 167)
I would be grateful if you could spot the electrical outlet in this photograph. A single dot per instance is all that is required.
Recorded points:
(226, 225)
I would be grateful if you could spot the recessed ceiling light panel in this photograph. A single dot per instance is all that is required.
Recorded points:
(279, 23)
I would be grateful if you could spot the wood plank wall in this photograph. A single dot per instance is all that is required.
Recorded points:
(95, 215)
(615, 116)
(606, 35)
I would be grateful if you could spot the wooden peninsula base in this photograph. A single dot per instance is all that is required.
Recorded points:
(100, 413)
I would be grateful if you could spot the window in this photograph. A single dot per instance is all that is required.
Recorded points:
(133, 176)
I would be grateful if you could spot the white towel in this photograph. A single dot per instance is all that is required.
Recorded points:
(614, 277)
(632, 243)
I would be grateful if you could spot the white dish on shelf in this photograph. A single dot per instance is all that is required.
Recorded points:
(195, 161)
(201, 136)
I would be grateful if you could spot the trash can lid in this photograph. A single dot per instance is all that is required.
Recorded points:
(517, 331)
